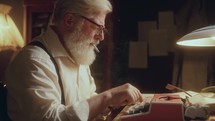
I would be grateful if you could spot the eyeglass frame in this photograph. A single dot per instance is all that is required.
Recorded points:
(100, 28)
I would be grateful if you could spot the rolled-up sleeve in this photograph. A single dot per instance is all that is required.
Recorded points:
(80, 110)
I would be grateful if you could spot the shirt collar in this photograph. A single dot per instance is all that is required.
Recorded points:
(51, 40)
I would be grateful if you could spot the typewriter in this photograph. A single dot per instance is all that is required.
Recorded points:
(163, 107)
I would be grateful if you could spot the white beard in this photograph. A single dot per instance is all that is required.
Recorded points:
(80, 47)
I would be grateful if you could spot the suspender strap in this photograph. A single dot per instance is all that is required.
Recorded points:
(39, 44)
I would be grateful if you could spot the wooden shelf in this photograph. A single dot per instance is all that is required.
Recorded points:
(36, 16)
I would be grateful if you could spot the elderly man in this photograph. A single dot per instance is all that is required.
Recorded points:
(51, 81)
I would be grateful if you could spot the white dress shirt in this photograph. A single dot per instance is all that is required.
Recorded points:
(34, 92)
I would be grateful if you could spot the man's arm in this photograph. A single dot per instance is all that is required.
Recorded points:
(115, 97)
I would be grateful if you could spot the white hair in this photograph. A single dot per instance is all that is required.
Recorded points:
(82, 7)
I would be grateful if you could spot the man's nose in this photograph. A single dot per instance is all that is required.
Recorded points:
(100, 36)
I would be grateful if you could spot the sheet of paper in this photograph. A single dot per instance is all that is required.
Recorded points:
(165, 18)
(143, 29)
(172, 37)
(158, 43)
(138, 54)
(183, 95)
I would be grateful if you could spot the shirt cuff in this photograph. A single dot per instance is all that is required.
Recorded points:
(79, 110)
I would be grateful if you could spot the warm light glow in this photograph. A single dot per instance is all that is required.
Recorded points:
(204, 42)
(10, 36)
(203, 37)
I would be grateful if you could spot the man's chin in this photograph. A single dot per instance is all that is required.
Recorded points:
(87, 59)
(87, 63)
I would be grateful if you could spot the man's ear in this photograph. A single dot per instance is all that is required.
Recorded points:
(68, 20)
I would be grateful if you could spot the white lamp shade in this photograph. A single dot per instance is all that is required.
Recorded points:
(10, 36)
(203, 37)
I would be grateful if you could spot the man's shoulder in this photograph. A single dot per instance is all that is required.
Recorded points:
(32, 52)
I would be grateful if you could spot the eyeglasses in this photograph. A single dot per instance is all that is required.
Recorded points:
(100, 28)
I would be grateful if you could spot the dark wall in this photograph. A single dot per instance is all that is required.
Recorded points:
(160, 68)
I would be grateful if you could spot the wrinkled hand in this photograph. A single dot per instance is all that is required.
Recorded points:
(125, 95)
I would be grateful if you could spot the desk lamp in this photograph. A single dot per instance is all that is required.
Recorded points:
(203, 37)
(10, 38)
